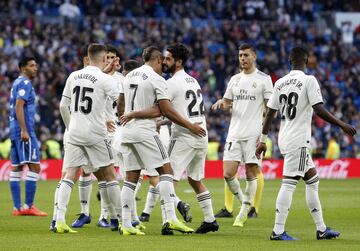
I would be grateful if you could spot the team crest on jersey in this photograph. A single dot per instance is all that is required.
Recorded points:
(22, 92)
(254, 85)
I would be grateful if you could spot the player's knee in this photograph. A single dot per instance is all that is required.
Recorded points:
(154, 180)
(228, 173)
(132, 176)
(309, 174)
(34, 167)
(16, 168)
(229, 169)
(165, 169)
(197, 185)
(251, 170)
(71, 174)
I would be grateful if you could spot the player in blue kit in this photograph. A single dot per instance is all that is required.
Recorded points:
(24, 144)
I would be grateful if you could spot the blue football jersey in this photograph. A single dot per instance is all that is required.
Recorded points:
(22, 89)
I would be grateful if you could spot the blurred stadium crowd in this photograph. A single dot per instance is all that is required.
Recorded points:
(54, 31)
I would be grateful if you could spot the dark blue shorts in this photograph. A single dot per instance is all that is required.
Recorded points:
(25, 152)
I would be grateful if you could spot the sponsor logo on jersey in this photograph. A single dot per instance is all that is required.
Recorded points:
(244, 95)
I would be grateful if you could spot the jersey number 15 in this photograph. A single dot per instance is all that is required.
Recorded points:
(78, 91)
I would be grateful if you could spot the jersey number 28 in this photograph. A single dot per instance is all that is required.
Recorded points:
(288, 105)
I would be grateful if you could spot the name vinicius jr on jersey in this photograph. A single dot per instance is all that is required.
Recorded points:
(292, 81)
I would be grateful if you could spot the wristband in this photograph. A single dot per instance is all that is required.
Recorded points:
(263, 138)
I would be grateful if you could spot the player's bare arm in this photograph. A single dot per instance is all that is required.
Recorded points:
(148, 113)
(19, 109)
(65, 110)
(121, 105)
(325, 115)
(174, 116)
(223, 104)
(265, 107)
(261, 147)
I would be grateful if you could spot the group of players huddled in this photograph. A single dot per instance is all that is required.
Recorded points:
(122, 120)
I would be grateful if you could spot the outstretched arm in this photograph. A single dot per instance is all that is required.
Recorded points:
(327, 116)
(223, 104)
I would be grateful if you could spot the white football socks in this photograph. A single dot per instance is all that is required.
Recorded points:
(85, 189)
(204, 200)
(313, 202)
(283, 204)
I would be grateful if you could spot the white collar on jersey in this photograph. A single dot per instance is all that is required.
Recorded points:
(297, 71)
(249, 74)
(182, 71)
(91, 67)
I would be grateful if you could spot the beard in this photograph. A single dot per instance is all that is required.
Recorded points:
(167, 69)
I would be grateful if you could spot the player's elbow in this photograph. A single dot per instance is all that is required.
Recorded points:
(318, 109)
(165, 111)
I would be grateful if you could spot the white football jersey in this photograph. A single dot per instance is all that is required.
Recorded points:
(88, 89)
(143, 87)
(248, 93)
(185, 96)
(111, 106)
(294, 95)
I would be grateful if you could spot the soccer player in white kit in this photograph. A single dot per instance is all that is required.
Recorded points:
(296, 95)
(187, 151)
(85, 92)
(247, 93)
(111, 124)
(84, 59)
(142, 88)
(85, 182)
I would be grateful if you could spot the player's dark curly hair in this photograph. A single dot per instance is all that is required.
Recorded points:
(298, 55)
(113, 49)
(130, 65)
(24, 61)
(179, 52)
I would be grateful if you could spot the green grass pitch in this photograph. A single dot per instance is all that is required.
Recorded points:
(340, 200)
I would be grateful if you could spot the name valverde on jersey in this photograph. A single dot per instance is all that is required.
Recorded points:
(247, 92)
(143, 87)
(294, 95)
(186, 98)
(22, 89)
(88, 90)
